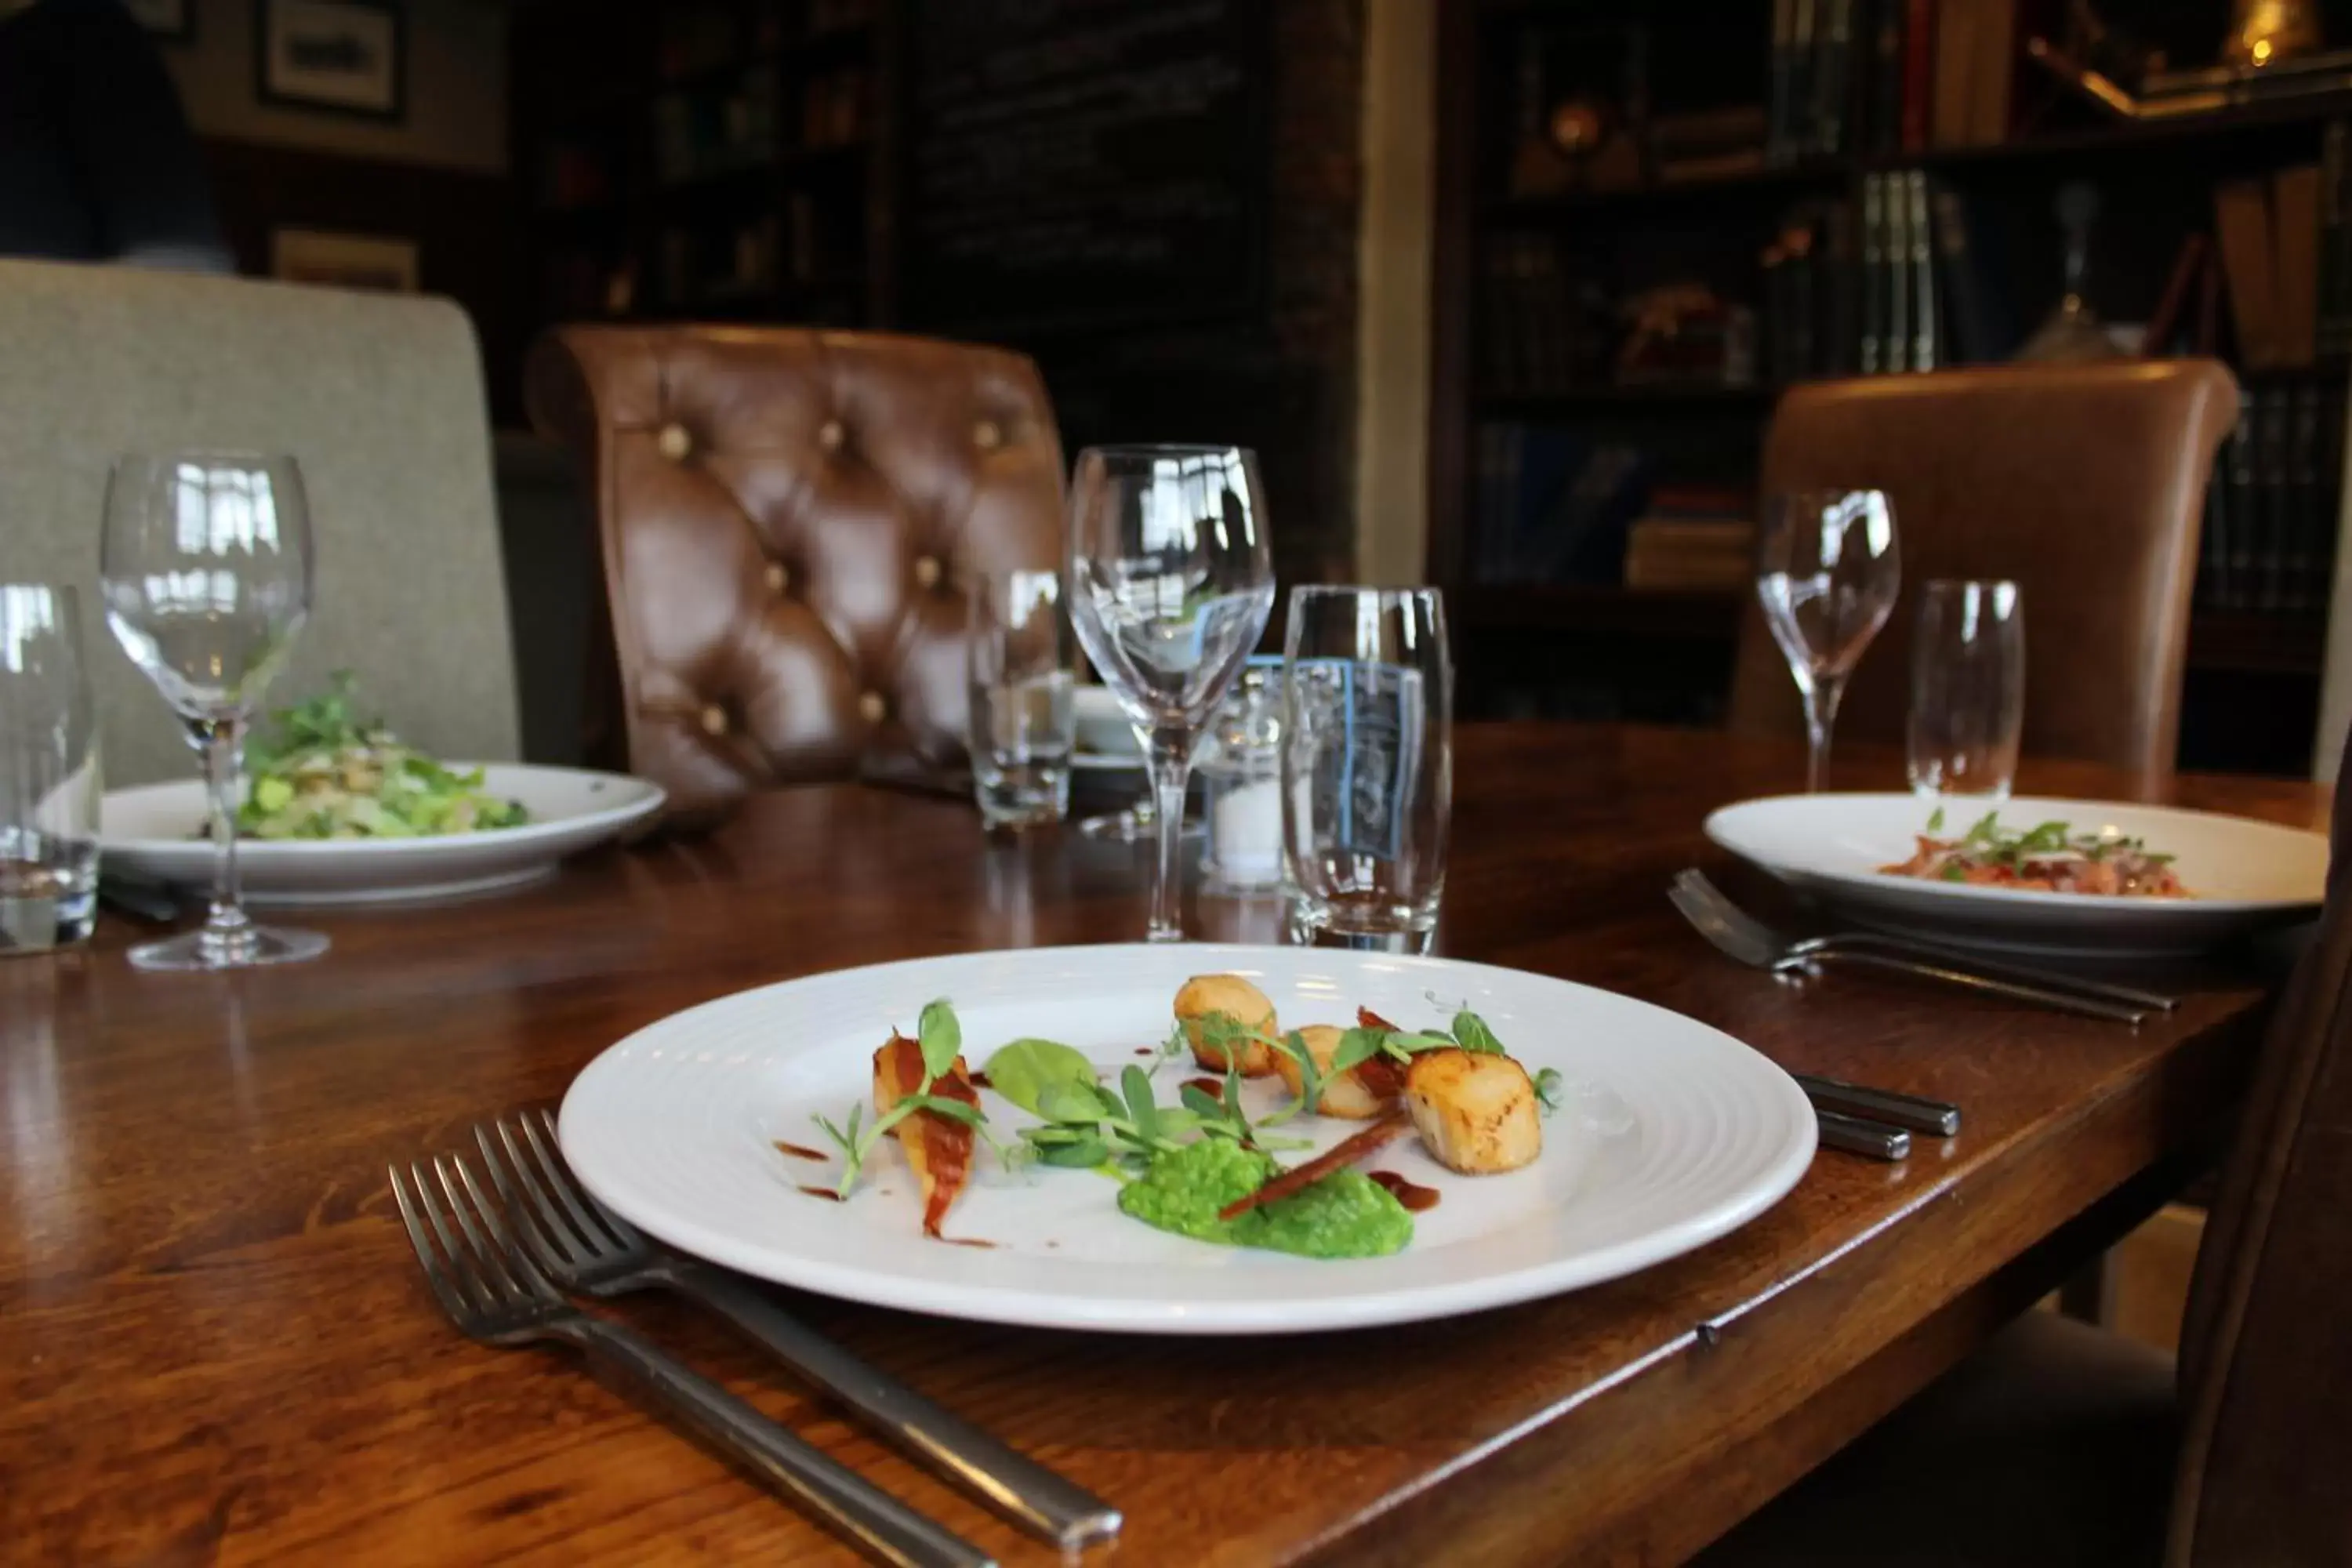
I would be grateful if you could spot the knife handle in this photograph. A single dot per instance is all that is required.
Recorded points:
(1933, 1117)
(1875, 1139)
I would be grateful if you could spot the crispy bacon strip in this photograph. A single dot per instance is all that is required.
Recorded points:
(1381, 1076)
(939, 1148)
(1339, 1156)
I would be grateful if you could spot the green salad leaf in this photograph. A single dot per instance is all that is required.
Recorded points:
(320, 771)
(1023, 1069)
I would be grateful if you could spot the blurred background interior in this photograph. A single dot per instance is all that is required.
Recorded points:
(1505, 293)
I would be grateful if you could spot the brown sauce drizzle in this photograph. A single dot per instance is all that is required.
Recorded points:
(963, 1241)
(1413, 1197)
(827, 1194)
(799, 1151)
(1145, 1052)
(1214, 1088)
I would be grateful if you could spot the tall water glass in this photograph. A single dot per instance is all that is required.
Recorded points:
(1827, 570)
(1171, 585)
(1367, 764)
(1968, 688)
(1024, 718)
(206, 565)
(48, 772)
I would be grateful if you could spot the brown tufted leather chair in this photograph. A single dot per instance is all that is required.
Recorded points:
(2081, 483)
(2059, 1443)
(789, 522)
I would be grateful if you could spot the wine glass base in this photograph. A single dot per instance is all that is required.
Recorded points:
(249, 949)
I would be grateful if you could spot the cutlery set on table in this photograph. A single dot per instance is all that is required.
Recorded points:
(503, 1257)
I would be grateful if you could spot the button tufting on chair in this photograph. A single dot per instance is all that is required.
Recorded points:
(675, 443)
(809, 589)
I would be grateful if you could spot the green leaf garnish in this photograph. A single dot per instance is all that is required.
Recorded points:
(1549, 1086)
(940, 1037)
(1355, 1047)
(1470, 1032)
(1310, 1076)
(953, 1110)
(1021, 1069)
(1936, 820)
(1141, 1113)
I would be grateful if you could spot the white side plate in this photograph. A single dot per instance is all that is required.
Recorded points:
(2245, 874)
(1671, 1134)
(154, 832)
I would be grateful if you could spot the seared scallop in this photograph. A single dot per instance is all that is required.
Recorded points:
(1475, 1110)
(1227, 996)
(1361, 1093)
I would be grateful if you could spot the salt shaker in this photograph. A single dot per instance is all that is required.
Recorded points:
(1241, 783)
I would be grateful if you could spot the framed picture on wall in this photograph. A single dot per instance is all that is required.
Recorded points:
(343, 260)
(348, 55)
(173, 19)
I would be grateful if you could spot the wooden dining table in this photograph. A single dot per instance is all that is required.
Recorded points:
(217, 1346)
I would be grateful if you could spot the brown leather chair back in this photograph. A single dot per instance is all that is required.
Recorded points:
(2265, 1359)
(2081, 483)
(790, 521)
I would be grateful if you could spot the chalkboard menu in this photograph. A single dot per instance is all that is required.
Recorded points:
(1081, 163)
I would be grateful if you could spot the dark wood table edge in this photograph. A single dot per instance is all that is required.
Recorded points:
(1538, 1487)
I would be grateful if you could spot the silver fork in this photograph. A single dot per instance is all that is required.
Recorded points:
(1740, 935)
(492, 1293)
(590, 1249)
(1934, 952)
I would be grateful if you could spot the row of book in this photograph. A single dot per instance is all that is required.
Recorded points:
(2286, 251)
(1889, 75)
(1552, 505)
(2271, 506)
(1894, 286)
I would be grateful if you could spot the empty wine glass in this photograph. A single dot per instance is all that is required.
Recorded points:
(205, 568)
(1827, 570)
(1171, 585)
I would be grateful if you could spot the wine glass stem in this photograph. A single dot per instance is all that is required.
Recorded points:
(1821, 718)
(1170, 761)
(223, 744)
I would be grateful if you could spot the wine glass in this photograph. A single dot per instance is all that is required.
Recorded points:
(1827, 570)
(205, 569)
(1171, 587)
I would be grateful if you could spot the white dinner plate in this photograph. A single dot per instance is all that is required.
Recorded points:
(2245, 875)
(1669, 1135)
(155, 831)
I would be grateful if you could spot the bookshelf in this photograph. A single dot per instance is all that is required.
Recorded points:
(1558, 641)
(713, 160)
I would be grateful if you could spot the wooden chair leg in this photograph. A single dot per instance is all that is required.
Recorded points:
(2089, 1296)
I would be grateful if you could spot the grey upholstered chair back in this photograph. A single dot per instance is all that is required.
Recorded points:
(379, 397)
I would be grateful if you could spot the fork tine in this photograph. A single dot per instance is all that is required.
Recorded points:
(428, 1256)
(551, 1242)
(585, 1214)
(464, 1269)
(519, 1268)
(498, 1272)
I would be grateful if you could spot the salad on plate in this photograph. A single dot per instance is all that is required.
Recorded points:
(323, 772)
